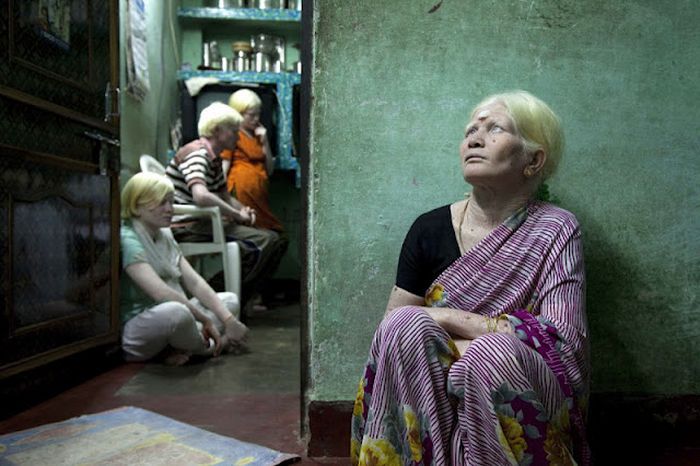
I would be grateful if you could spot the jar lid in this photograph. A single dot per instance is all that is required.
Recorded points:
(241, 47)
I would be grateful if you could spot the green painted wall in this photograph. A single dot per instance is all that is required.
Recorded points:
(285, 202)
(392, 88)
(145, 126)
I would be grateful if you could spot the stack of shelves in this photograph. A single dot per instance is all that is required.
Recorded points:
(283, 21)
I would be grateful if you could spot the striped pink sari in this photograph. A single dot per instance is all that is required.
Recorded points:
(511, 399)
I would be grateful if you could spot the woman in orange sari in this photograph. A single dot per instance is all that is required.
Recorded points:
(251, 163)
(249, 166)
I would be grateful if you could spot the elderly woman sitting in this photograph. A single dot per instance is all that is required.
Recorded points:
(158, 318)
(482, 356)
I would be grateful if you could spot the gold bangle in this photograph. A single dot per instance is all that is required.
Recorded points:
(502, 317)
(490, 324)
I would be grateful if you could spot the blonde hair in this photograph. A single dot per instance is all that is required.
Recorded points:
(215, 115)
(142, 189)
(535, 122)
(243, 100)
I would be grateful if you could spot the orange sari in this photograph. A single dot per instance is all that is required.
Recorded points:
(247, 179)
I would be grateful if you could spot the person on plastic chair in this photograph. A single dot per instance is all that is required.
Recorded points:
(158, 318)
(196, 172)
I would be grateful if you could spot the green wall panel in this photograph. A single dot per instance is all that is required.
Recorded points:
(392, 88)
(145, 126)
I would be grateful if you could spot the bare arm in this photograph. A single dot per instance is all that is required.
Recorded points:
(235, 331)
(229, 199)
(247, 213)
(400, 297)
(461, 325)
(200, 289)
(467, 325)
(148, 280)
(229, 206)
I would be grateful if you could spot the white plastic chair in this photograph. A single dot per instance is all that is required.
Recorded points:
(229, 251)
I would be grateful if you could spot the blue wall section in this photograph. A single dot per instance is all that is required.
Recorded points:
(392, 87)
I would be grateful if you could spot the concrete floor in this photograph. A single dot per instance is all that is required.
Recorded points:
(254, 397)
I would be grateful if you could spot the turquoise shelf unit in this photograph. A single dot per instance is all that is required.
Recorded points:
(235, 21)
(284, 83)
(242, 14)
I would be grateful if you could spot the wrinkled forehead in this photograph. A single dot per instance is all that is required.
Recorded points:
(491, 110)
(488, 109)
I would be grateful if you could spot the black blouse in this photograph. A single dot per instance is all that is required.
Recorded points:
(428, 249)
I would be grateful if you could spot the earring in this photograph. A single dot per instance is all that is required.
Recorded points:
(528, 172)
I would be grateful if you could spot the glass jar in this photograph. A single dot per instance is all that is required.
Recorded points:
(265, 4)
(264, 52)
(226, 3)
(241, 56)
(262, 62)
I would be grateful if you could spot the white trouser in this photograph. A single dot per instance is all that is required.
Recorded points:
(171, 324)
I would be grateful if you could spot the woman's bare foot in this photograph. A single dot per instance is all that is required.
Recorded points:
(176, 358)
(255, 304)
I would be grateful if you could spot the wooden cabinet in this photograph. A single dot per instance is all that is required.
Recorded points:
(59, 240)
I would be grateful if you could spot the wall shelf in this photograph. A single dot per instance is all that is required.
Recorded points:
(204, 24)
(241, 14)
(284, 83)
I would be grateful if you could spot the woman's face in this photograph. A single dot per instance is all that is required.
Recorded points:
(492, 152)
(155, 216)
(251, 119)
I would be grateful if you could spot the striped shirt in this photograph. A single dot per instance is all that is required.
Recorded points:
(194, 164)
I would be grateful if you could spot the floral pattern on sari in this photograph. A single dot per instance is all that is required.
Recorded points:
(527, 433)
(445, 352)
(525, 334)
(510, 436)
(406, 434)
(376, 452)
(558, 444)
(406, 441)
(541, 335)
(436, 296)
(360, 409)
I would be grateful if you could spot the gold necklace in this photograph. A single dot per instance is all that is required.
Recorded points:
(460, 233)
